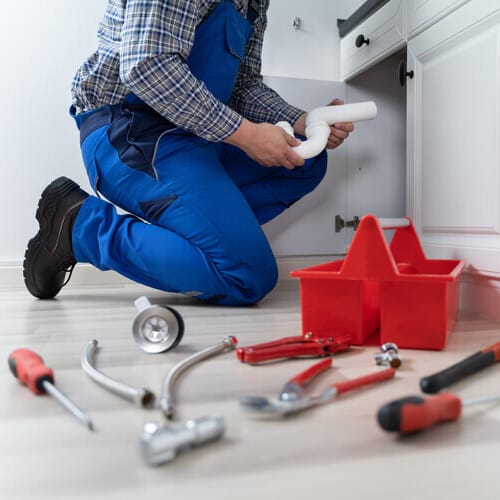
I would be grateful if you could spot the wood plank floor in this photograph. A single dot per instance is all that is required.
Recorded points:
(334, 451)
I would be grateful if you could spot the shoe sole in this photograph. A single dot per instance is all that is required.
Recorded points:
(57, 188)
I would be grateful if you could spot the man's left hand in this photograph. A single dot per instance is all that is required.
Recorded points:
(338, 132)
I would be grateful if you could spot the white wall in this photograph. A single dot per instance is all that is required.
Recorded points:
(313, 50)
(44, 42)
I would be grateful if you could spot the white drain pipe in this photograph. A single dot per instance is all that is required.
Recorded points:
(318, 123)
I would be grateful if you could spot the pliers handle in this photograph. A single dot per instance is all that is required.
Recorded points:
(293, 347)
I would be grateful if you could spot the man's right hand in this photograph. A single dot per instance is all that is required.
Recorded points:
(267, 144)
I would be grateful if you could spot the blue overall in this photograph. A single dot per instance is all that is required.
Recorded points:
(195, 207)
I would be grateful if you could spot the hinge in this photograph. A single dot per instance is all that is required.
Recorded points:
(341, 223)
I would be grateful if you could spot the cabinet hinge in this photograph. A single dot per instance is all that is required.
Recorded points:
(341, 223)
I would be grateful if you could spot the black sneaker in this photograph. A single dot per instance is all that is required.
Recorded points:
(49, 256)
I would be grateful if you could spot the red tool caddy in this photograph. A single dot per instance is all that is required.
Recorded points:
(393, 289)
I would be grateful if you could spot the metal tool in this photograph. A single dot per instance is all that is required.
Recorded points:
(415, 413)
(388, 355)
(472, 364)
(140, 396)
(293, 398)
(157, 328)
(167, 400)
(294, 347)
(28, 367)
(160, 444)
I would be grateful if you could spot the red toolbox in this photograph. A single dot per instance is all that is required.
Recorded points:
(392, 288)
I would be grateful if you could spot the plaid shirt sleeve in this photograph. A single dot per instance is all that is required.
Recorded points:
(157, 37)
(251, 97)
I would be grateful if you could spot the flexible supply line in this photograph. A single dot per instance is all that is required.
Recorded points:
(319, 120)
(139, 396)
(167, 398)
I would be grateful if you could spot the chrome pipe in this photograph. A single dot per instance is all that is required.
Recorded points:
(167, 399)
(139, 396)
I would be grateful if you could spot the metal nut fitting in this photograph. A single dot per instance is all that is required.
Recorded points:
(388, 355)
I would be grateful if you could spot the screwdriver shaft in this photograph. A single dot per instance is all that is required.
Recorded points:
(68, 404)
(479, 400)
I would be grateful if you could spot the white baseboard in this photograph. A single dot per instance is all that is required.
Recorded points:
(11, 275)
(479, 293)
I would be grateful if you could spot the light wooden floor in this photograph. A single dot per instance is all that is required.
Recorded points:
(335, 451)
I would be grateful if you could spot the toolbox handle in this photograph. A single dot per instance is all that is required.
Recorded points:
(393, 223)
(371, 257)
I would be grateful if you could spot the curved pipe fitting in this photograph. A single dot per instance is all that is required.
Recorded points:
(319, 120)
(167, 400)
(139, 396)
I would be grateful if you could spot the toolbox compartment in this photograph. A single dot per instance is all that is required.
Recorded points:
(394, 289)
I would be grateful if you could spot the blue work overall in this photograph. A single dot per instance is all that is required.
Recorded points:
(194, 207)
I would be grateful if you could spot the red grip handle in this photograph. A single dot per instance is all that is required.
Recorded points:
(304, 377)
(371, 378)
(28, 367)
(433, 410)
(495, 348)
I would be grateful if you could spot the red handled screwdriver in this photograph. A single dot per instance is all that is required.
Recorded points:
(28, 367)
(415, 413)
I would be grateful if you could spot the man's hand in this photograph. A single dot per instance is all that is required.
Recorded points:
(267, 144)
(338, 131)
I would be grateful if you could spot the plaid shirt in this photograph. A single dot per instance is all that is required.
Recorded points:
(142, 46)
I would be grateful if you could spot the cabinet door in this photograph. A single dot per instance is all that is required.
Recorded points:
(453, 130)
(423, 13)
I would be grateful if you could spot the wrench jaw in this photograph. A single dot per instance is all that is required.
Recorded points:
(293, 397)
(291, 392)
(264, 408)
(275, 409)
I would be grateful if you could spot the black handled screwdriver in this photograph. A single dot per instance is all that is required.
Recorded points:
(472, 364)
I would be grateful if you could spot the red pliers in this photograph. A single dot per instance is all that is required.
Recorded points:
(294, 347)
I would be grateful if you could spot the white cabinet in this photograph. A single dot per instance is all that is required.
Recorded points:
(453, 131)
(423, 13)
(379, 36)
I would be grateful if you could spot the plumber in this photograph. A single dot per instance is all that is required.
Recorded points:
(177, 129)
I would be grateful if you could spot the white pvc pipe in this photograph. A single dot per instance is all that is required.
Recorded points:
(319, 120)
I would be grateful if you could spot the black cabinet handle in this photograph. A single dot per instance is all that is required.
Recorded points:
(360, 40)
(403, 74)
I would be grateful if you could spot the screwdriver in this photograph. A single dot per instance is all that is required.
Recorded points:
(472, 364)
(415, 413)
(28, 367)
